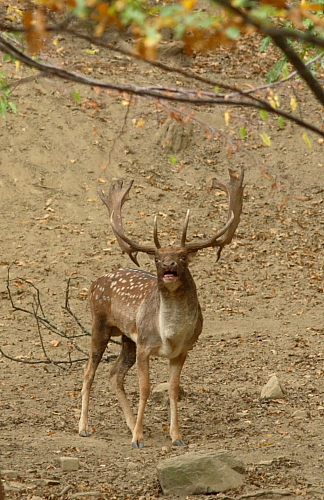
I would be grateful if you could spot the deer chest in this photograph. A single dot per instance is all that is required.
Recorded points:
(177, 325)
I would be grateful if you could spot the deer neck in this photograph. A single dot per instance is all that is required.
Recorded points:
(178, 312)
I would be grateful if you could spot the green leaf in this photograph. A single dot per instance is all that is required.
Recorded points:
(76, 96)
(263, 13)
(217, 89)
(307, 140)
(242, 132)
(308, 23)
(241, 3)
(13, 107)
(232, 32)
(81, 8)
(173, 159)
(170, 10)
(264, 114)
(3, 109)
(133, 13)
(152, 36)
(266, 139)
(281, 122)
(265, 43)
(275, 72)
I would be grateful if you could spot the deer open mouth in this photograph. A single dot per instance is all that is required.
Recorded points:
(170, 275)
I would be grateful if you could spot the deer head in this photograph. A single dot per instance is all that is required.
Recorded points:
(170, 260)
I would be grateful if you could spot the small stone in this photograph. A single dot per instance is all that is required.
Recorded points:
(88, 494)
(160, 393)
(16, 487)
(300, 414)
(69, 464)
(273, 389)
(9, 474)
(47, 482)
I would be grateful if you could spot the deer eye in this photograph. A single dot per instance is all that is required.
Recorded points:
(183, 257)
(157, 260)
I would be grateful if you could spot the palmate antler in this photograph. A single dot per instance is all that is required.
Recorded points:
(114, 201)
(118, 195)
(234, 190)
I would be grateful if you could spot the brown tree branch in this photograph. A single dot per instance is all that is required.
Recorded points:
(279, 37)
(195, 97)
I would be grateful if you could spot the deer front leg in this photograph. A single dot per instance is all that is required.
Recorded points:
(176, 365)
(142, 361)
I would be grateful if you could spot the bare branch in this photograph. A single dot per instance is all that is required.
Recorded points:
(67, 308)
(194, 97)
(279, 37)
(38, 313)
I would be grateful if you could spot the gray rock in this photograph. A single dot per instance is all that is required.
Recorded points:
(69, 464)
(300, 414)
(10, 474)
(88, 494)
(17, 487)
(175, 136)
(273, 389)
(200, 473)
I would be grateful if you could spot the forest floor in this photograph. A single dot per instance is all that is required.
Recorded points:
(262, 302)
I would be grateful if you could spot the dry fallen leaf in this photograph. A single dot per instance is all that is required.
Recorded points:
(55, 342)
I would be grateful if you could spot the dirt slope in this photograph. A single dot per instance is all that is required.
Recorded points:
(262, 303)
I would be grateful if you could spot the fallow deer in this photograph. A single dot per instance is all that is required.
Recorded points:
(155, 315)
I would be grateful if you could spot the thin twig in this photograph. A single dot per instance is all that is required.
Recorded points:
(67, 304)
(120, 135)
(14, 85)
(45, 322)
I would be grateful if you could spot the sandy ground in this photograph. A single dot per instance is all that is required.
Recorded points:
(262, 302)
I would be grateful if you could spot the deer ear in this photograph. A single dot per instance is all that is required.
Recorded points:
(191, 256)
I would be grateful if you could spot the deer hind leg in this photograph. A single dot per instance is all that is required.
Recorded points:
(176, 365)
(101, 334)
(125, 361)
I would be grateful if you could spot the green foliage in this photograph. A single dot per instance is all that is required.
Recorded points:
(242, 132)
(233, 32)
(265, 43)
(76, 96)
(277, 71)
(5, 103)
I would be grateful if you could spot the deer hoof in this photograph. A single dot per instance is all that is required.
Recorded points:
(84, 434)
(178, 443)
(138, 444)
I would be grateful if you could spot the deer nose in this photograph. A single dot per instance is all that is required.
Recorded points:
(169, 265)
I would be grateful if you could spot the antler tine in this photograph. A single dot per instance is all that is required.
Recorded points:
(114, 201)
(211, 242)
(184, 231)
(135, 247)
(155, 234)
(234, 191)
